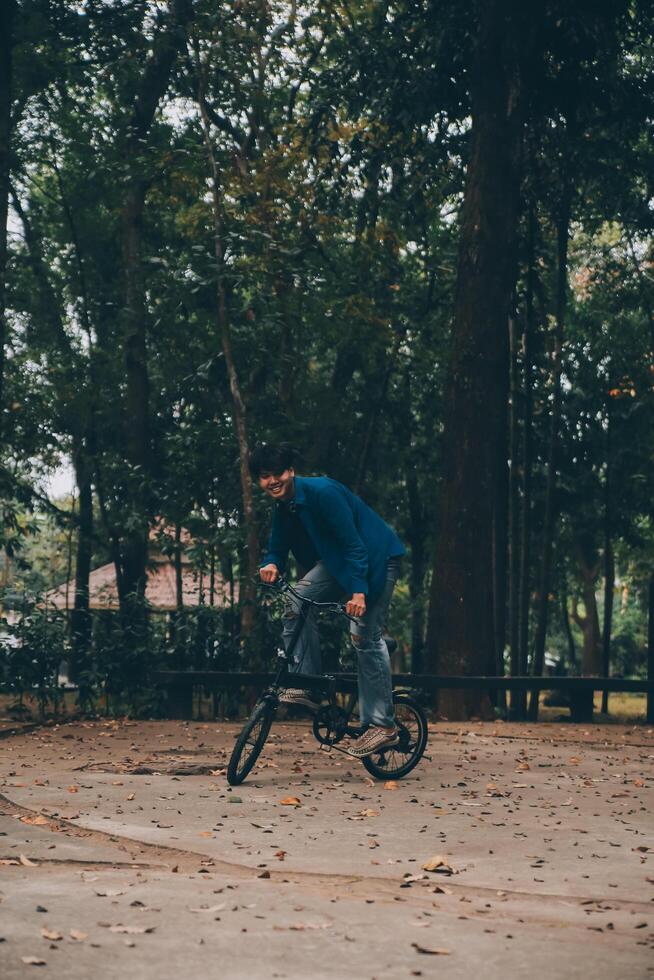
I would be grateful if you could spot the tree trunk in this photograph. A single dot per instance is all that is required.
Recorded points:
(150, 90)
(461, 616)
(247, 592)
(563, 225)
(514, 521)
(565, 622)
(7, 17)
(589, 624)
(137, 435)
(519, 698)
(609, 569)
(650, 648)
(80, 623)
(500, 561)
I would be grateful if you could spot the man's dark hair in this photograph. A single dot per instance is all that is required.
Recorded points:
(272, 459)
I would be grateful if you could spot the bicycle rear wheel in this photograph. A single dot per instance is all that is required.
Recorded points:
(250, 742)
(400, 759)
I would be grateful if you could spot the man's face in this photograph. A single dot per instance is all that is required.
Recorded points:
(279, 486)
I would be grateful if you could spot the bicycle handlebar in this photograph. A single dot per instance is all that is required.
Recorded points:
(282, 585)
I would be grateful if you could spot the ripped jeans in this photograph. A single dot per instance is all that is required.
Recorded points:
(374, 665)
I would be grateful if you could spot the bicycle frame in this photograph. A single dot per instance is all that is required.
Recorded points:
(316, 683)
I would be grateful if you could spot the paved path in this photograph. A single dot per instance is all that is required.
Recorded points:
(124, 840)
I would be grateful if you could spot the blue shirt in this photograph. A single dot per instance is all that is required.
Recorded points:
(352, 540)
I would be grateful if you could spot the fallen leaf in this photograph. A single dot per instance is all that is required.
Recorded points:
(130, 796)
(209, 908)
(280, 855)
(33, 960)
(77, 935)
(73, 789)
(37, 821)
(131, 930)
(390, 784)
(52, 934)
(440, 864)
(110, 893)
(438, 951)
(368, 813)
(300, 926)
(290, 801)
(639, 782)
(26, 862)
(205, 833)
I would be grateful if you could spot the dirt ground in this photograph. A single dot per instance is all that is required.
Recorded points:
(122, 848)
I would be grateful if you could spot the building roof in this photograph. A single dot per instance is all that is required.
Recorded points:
(161, 589)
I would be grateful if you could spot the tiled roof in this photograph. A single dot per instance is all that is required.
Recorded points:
(161, 590)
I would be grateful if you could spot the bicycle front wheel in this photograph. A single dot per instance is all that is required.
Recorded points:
(400, 759)
(249, 743)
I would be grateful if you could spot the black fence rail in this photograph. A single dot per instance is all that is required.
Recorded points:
(179, 686)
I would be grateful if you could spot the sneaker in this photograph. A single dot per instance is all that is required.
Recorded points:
(296, 696)
(374, 739)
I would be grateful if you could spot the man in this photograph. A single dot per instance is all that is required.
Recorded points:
(344, 550)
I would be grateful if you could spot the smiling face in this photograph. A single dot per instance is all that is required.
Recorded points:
(279, 486)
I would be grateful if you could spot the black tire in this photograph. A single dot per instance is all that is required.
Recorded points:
(249, 743)
(399, 760)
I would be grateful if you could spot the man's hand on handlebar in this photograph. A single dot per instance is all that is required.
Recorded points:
(269, 574)
(356, 606)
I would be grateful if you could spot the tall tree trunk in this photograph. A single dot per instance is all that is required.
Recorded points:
(247, 592)
(150, 90)
(500, 562)
(609, 568)
(650, 648)
(565, 622)
(80, 622)
(563, 226)
(137, 434)
(514, 519)
(589, 623)
(7, 18)
(461, 619)
(519, 699)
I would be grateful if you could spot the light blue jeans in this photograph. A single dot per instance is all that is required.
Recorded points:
(374, 665)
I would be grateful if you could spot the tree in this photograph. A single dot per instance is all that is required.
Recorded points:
(461, 616)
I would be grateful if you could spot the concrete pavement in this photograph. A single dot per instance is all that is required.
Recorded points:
(128, 834)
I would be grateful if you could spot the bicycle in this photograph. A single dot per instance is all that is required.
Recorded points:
(332, 722)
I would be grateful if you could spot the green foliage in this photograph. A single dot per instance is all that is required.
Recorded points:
(341, 134)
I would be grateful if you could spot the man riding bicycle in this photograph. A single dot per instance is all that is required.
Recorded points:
(343, 549)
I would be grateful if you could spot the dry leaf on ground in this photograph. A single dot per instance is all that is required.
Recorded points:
(53, 934)
(33, 960)
(77, 935)
(438, 951)
(290, 801)
(25, 861)
(439, 863)
(38, 821)
(131, 930)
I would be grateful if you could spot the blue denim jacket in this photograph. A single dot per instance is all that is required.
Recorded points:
(352, 540)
